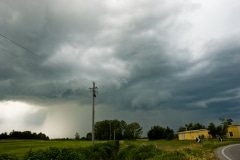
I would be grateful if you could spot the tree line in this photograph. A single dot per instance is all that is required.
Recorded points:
(23, 135)
(214, 130)
(116, 130)
(119, 130)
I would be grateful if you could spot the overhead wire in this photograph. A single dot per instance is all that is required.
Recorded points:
(33, 53)
(63, 73)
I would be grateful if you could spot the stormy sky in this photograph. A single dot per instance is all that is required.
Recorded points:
(156, 62)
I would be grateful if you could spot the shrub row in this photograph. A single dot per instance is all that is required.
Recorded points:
(148, 152)
(111, 151)
(101, 151)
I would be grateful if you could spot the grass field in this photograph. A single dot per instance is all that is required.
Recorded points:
(21, 147)
(192, 150)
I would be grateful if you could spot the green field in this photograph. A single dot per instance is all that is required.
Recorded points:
(190, 148)
(21, 147)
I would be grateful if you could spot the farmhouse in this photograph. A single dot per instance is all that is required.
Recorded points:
(233, 131)
(193, 134)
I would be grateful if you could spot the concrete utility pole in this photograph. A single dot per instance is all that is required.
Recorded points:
(93, 111)
(110, 131)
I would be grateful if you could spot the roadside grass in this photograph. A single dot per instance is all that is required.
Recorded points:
(166, 145)
(187, 150)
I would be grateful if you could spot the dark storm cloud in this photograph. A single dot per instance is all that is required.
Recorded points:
(157, 74)
(37, 31)
(210, 84)
(136, 52)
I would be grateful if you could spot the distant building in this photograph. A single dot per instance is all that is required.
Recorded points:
(233, 131)
(193, 134)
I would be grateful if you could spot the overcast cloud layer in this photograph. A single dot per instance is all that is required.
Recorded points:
(166, 63)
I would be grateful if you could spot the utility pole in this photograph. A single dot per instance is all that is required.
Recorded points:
(110, 133)
(93, 111)
(114, 134)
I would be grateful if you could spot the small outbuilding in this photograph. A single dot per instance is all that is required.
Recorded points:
(233, 131)
(193, 134)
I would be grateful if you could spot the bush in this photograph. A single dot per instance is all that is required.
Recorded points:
(175, 155)
(103, 151)
(8, 157)
(138, 152)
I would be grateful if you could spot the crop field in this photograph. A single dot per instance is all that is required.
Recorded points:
(189, 148)
(186, 149)
(21, 147)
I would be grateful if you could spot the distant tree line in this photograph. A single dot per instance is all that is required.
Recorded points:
(115, 129)
(119, 130)
(158, 132)
(214, 130)
(191, 126)
(24, 135)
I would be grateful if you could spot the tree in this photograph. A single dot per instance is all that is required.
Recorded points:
(169, 133)
(220, 130)
(195, 126)
(133, 131)
(89, 136)
(189, 126)
(198, 126)
(117, 129)
(107, 129)
(212, 129)
(181, 129)
(224, 125)
(24, 135)
(102, 130)
(158, 132)
(77, 136)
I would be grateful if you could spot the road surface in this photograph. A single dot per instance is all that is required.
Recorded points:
(230, 152)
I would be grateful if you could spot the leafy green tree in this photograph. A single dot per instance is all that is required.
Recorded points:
(89, 136)
(108, 129)
(133, 131)
(224, 125)
(195, 126)
(117, 129)
(219, 131)
(212, 129)
(77, 136)
(169, 134)
(189, 126)
(156, 132)
(181, 129)
(198, 126)
(102, 130)
(24, 135)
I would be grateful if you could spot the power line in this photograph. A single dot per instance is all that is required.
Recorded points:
(83, 80)
(50, 62)
(19, 45)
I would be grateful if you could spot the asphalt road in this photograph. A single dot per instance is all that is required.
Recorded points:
(230, 152)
